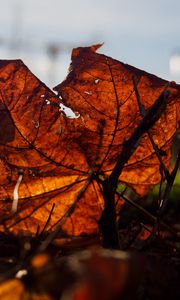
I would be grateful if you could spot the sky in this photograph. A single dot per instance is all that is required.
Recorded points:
(145, 34)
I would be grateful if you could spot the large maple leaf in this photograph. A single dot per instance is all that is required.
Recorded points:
(51, 164)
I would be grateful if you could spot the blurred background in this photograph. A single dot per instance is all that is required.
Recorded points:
(42, 33)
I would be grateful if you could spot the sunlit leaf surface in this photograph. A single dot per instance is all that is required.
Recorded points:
(50, 164)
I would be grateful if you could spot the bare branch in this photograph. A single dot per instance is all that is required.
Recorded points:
(169, 185)
(143, 112)
(129, 146)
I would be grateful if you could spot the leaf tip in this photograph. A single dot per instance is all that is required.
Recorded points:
(77, 51)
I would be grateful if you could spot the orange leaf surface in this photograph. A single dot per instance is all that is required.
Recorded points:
(36, 144)
(14, 289)
(50, 163)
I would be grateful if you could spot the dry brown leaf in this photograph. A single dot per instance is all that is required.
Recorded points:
(51, 162)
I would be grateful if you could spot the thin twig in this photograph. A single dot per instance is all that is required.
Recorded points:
(50, 238)
(129, 146)
(169, 185)
(47, 222)
(16, 195)
(147, 214)
(143, 112)
(108, 222)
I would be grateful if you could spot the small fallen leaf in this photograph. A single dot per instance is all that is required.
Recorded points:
(14, 289)
(85, 275)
